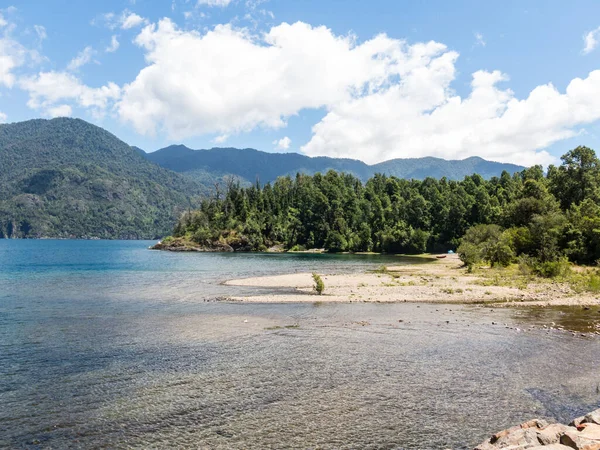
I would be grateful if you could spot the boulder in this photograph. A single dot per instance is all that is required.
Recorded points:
(551, 447)
(593, 417)
(552, 433)
(578, 441)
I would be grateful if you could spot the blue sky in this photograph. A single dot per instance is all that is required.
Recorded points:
(509, 81)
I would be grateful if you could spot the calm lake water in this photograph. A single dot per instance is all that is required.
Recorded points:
(110, 345)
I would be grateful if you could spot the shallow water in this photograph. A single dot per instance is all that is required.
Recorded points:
(109, 345)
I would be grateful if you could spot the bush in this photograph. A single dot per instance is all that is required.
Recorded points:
(552, 269)
(469, 254)
(486, 243)
(594, 283)
(319, 286)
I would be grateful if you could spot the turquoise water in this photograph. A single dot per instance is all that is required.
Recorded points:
(105, 344)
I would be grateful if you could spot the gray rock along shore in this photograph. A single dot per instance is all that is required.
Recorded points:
(582, 433)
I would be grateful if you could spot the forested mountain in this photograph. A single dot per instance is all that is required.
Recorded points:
(68, 178)
(210, 166)
(544, 216)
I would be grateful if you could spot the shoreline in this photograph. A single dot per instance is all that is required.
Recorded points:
(435, 281)
(583, 433)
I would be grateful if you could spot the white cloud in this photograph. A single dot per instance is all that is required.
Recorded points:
(41, 32)
(590, 41)
(236, 81)
(59, 111)
(52, 91)
(131, 20)
(382, 98)
(479, 40)
(3, 21)
(114, 45)
(220, 3)
(491, 123)
(82, 58)
(283, 143)
(221, 139)
(126, 20)
(3, 117)
(12, 56)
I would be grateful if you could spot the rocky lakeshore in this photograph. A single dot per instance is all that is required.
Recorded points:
(185, 245)
(583, 433)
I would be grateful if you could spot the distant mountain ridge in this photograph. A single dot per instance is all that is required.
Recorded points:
(249, 164)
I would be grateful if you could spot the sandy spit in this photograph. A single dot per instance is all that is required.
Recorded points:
(441, 281)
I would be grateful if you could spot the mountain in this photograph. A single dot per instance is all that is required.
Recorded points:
(68, 178)
(211, 166)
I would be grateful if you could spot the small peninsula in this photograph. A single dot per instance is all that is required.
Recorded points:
(528, 238)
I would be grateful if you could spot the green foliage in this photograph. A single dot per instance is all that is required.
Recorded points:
(67, 178)
(553, 269)
(492, 221)
(558, 268)
(319, 285)
(486, 243)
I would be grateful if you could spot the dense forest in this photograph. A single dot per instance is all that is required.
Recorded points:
(547, 216)
(70, 179)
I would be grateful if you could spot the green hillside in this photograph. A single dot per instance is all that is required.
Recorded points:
(67, 178)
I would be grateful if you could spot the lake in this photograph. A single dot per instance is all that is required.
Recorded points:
(105, 344)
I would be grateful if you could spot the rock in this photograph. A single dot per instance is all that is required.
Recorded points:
(593, 417)
(550, 447)
(582, 434)
(515, 437)
(578, 420)
(552, 433)
(591, 431)
(578, 441)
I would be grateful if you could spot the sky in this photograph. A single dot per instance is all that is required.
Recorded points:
(511, 81)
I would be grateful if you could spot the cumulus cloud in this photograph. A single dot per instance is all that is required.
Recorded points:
(221, 3)
(126, 20)
(131, 20)
(51, 92)
(590, 41)
(12, 55)
(3, 117)
(3, 21)
(383, 98)
(114, 45)
(59, 111)
(83, 57)
(283, 143)
(236, 82)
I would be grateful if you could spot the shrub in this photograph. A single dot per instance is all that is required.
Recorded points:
(594, 283)
(319, 286)
(553, 269)
(486, 243)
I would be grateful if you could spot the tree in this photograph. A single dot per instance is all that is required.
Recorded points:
(577, 178)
